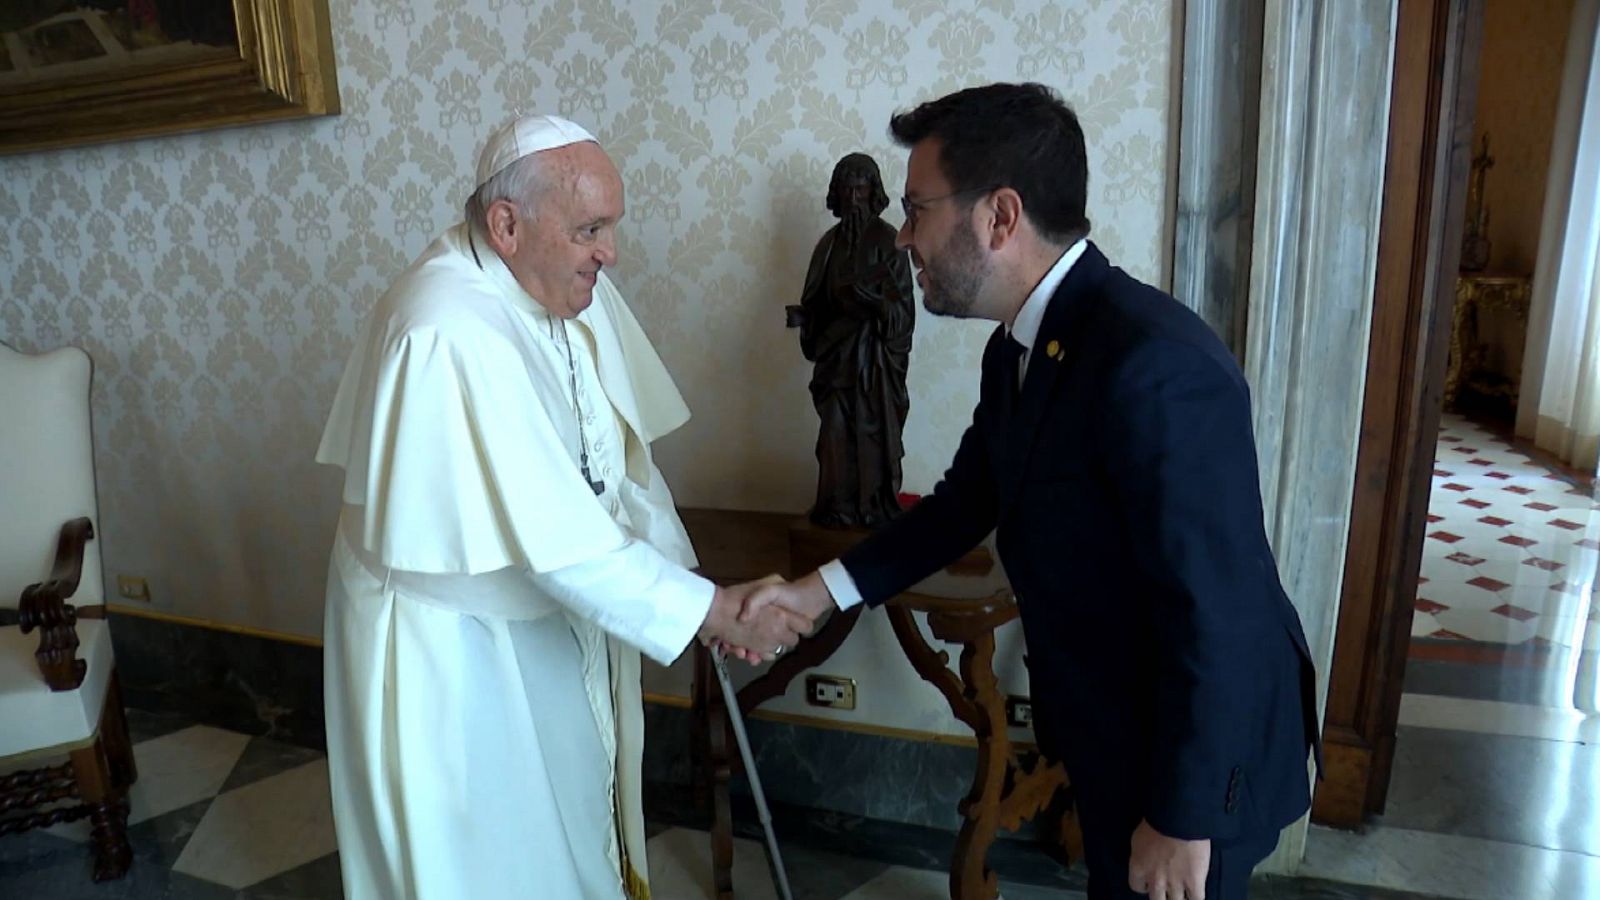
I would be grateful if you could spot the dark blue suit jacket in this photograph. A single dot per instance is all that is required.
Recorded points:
(1168, 669)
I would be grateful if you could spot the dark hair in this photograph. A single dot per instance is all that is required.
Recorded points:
(856, 166)
(1020, 136)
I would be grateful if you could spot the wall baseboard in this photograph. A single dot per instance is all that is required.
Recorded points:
(147, 612)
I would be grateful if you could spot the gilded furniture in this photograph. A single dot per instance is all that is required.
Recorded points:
(1510, 293)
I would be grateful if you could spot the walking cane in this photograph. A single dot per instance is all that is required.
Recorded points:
(731, 698)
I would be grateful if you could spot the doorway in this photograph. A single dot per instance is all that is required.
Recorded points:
(1463, 683)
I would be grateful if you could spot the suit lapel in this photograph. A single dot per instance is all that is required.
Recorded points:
(1052, 354)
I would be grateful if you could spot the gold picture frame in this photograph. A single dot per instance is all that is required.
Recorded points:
(75, 72)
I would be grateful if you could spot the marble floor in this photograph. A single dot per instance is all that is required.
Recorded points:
(1495, 792)
(1511, 547)
(218, 815)
(1506, 608)
(1488, 800)
(1496, 784)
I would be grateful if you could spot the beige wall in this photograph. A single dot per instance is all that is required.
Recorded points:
(1523, 45)
(218, 278)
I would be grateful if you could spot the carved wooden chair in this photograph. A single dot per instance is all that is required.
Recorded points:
(58, 688)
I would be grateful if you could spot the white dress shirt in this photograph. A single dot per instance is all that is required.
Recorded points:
(1025, 331)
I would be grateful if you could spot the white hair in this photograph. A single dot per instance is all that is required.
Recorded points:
(521, 183)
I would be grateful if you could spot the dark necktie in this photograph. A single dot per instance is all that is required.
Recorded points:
(1010, 361)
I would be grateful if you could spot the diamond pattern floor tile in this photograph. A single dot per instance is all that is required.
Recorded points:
(1514, 612)
(263, 829)
(270, 839)
(1509, 544)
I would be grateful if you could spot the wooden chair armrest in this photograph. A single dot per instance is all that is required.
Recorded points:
(44, 606)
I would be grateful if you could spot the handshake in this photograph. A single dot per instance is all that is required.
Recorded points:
(759, 620)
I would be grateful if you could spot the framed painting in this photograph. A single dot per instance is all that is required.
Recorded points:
(86, 71)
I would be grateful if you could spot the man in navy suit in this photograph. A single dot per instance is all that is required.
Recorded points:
(1111, 447)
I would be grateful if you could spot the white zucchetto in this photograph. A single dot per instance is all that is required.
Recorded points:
(524, 135)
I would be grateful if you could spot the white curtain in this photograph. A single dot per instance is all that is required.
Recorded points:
(1560, 404)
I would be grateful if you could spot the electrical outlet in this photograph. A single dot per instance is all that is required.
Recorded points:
(831, 691)
(1019, 712)
(132, 587)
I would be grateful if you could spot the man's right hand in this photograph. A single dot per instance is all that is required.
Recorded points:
(753, 637)
(808, 597)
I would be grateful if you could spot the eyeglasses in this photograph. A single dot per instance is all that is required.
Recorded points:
(912, 208)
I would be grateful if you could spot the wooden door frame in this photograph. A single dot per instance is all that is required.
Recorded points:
(1433, 100)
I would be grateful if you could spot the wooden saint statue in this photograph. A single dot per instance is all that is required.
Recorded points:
(855, 317)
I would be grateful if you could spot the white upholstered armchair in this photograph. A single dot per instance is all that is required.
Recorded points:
(58, 688)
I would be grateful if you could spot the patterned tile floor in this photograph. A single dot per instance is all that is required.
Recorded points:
(1512, 547)
(218, 815)
(1496, 785)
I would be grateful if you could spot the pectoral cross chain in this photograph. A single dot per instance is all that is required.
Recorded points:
(595, 484)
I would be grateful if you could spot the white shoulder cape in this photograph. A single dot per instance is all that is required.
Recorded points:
(442, 421)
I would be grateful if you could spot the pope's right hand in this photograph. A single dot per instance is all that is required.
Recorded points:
(807, 597)
(753, 638)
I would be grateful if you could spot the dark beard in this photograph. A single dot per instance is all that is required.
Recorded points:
(853, 225)
(954, 280)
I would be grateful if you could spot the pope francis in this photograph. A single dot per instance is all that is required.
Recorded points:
(505, 549)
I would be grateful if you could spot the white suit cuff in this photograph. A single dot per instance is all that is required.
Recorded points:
(840, 584)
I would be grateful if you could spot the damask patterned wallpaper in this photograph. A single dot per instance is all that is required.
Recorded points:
(218, 279)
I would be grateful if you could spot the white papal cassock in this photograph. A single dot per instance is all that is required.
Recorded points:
(484, 604)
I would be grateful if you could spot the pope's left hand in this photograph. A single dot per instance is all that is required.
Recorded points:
(1167, 868)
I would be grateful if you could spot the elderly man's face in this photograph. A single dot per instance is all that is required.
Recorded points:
(570, 235)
